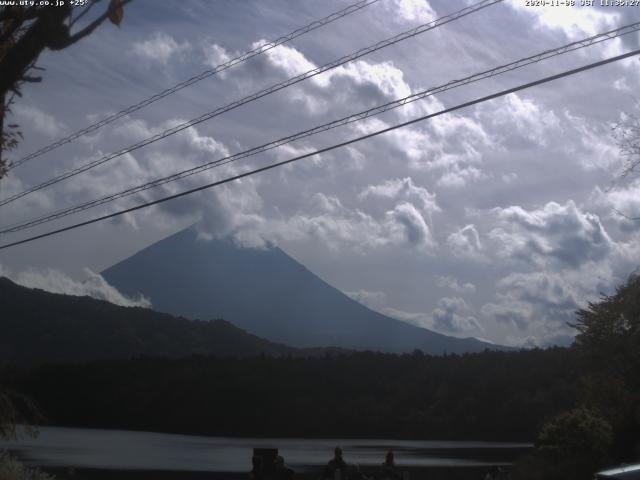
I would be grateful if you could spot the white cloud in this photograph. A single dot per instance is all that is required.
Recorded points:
(402, 189)
(459, 177)
(416, 229)
(57, 282)
(373, 300)
(453, 284)
(465, 243)
(31, 117)
(290, 60)
(620, 204)
(160, 47)
(411, 10)
(216, 55)
(575, 22)
(452, 316)
(554, 231)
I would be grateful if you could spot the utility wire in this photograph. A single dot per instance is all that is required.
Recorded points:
(274, 88)
(586, 42)
(332, 147)
(206, 74)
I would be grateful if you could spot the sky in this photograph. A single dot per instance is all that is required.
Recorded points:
(495, 221)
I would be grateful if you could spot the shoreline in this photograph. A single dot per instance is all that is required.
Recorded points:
(422, 473)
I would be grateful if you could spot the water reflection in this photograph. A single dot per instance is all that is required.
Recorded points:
(125, 450)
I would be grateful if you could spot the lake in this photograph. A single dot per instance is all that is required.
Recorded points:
(58, 447)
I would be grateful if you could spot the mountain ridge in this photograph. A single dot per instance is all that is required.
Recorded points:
(40, 327)
(269, 294)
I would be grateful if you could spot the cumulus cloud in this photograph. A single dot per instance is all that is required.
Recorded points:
(216, 55)
(465, 243)
(453, 284)
(160, 47)
(543, 302)
(459, 177)
(449, 316)
(575, 22)
(402, 189)
(509, 310)
(411, 10)
(416, 229)
(517, 114)
(621, 204)
(561, 232)
(374, 300)
(360, 82)
(452, 316)
(57, 282)
(32, 117)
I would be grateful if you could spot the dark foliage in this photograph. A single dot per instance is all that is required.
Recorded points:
(39, 327)
(26, 30)
(491, 395)
(608, 344)
(604, 426)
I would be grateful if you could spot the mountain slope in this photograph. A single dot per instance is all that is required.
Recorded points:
(38, 326)
(267, 293)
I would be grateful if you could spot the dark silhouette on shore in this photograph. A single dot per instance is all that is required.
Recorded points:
(389, 471)
(337, 467)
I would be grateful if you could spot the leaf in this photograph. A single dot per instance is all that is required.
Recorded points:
(116, 12)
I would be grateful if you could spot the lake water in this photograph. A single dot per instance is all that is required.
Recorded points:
(126, 450)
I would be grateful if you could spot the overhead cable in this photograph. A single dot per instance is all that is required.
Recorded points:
(274, 88)
(197, 78)
(327, 149)
(586, 42)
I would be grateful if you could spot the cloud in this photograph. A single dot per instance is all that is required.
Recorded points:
(554, 231)
(160, 47)
(515, 114)
(32, 117)
(575, 22)
(509, 311)
(449, 316)
(620, 204)
(465, 243)
(452, 283)
(288, 59)
(402, 189)
(543, 302)
(452, 316)
(357, 83)
(459, 177)
(416, 229)
(373, 300)
(411, 10)
(216, 55)
(57, 282)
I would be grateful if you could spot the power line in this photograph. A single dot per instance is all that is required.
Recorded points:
(332, 147)
(589, 41)
(206, 74)
(274, 88)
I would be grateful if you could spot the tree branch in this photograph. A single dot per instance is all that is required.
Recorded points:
(26, 50)
(91, 27)
(83, 13)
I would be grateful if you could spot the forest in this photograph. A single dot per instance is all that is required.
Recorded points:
(491, 395)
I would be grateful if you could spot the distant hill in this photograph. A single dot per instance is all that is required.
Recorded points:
(269, 294)
(38, 326)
